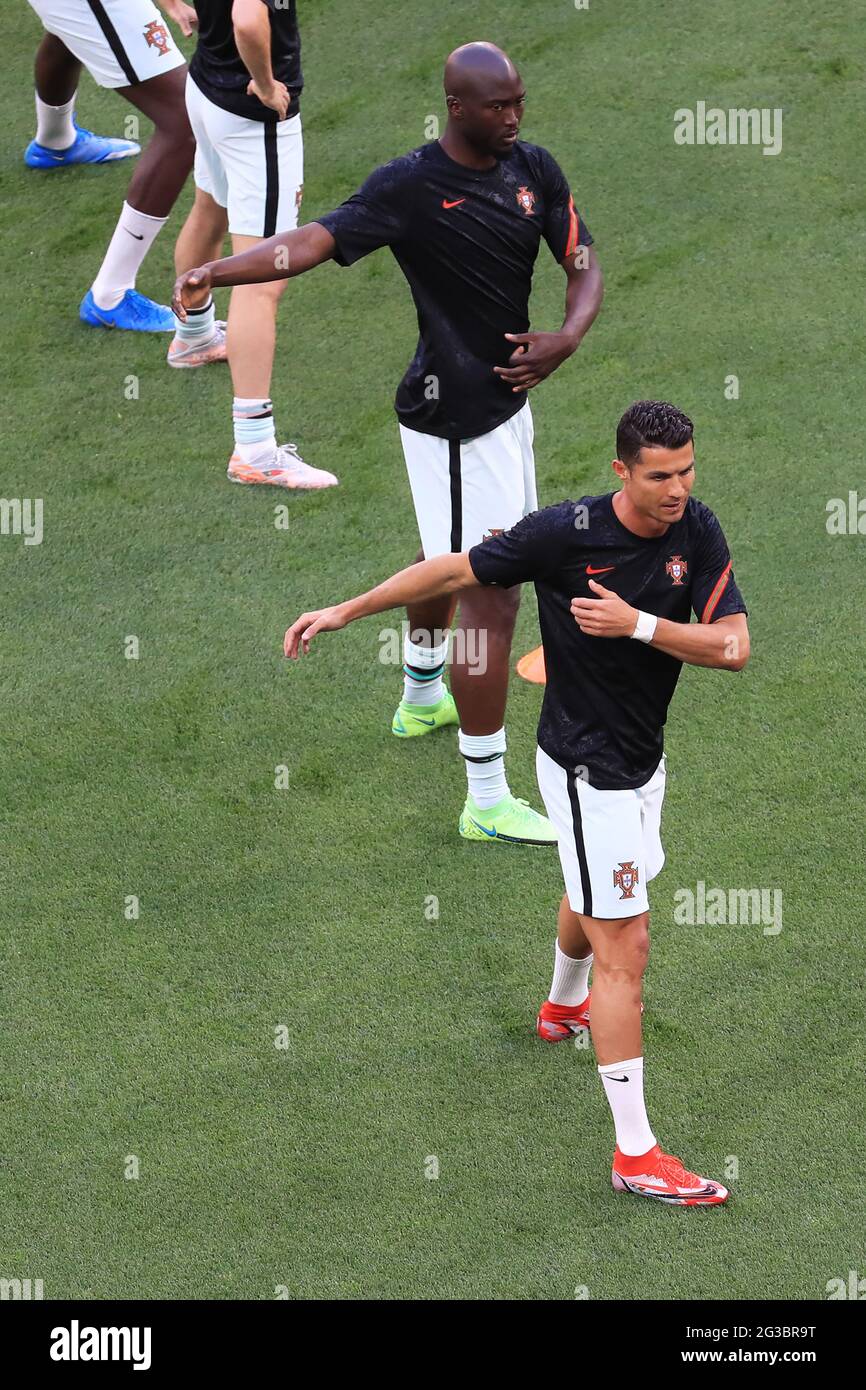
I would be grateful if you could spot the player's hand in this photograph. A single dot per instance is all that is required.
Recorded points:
(183, 15)
(536, 357)
(605, 616)
(276, 96)
(304, 629)
(191, 291)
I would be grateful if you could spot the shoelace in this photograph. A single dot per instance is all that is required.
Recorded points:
(295, 461)
(675, 1171)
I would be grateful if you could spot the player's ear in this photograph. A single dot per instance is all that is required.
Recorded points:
(619, 469)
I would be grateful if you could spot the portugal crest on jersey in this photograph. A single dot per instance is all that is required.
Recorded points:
(156, 36)
(625, 878)
(526, 199)
(677, 568)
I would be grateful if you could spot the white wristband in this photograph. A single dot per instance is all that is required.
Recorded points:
(645, 626)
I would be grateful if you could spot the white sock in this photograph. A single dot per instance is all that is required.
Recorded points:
(133, 237)
(570, 978)
(485, 766)
(625, 1098)
(199, 325)
(54, 127)
(255, 433)
(422, 672)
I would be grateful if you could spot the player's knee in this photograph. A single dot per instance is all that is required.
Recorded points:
(268, 293)
(626, 950)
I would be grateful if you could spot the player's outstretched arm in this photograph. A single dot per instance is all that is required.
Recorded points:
(444, 574)
(280, 257)
(723, 644)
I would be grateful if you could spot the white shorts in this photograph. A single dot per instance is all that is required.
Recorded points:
(254, 169)
(609, 841)
(465, 488)
(120, 42)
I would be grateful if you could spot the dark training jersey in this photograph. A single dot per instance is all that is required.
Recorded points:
(606, 699)
(466, 240)
(217, 69)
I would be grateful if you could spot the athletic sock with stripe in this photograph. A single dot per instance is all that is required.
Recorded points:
(255, 434)
(484, 755)
(422, 672)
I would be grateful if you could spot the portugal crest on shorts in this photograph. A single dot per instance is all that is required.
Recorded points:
(677, 568)
(625, 878)
(526, 199)
(156, 36)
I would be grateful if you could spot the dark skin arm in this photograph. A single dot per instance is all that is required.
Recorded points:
(280, 257)
(539, 354)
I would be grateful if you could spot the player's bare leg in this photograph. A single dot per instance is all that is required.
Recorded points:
(167, 159)
(482, 665)
(202, 235)
(59, 141)
(199, 339)
(160, 175)
(56, 71)
(620, 950)
(251, 340)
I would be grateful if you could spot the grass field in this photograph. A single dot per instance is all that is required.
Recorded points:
(303, 1167)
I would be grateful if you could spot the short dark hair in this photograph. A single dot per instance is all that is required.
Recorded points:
(651, 423)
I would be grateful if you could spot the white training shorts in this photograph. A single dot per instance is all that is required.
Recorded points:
(609, 841)
(464, 489)
(120, 42)
(254, 169)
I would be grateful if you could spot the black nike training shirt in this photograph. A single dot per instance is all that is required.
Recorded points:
(606, 698)
(467, 241)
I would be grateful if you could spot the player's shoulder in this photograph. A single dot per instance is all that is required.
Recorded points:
(552, 525)
(401, 169)
(701, 519)
(557, 515)
(539, 160)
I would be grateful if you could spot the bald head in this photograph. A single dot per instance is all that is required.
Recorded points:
(474, 68)
(485, 99)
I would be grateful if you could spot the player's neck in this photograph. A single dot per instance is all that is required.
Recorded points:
(457, 149)
(633, 520)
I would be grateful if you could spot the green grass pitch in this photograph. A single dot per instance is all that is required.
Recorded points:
(305, 1167)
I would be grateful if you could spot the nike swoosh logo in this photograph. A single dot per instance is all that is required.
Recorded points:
(109, 323)
(428, 722)
(135, 234)
(617, 1078)
(455, 204)
(491, 833)
(604, 570)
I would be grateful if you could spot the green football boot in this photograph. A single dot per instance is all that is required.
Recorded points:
(512, 819)
(411, 720)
